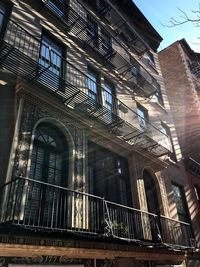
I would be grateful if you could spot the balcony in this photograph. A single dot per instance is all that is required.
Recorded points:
(39, 206)
(20, 54)
(193, 166)
(87, 29)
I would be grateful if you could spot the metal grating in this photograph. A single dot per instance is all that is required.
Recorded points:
(86, 28)
(20, 52)
(42, 206)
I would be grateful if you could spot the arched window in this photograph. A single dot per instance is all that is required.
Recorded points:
(46, 204)
(49, 155)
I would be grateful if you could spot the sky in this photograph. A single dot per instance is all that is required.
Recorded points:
(159, 12)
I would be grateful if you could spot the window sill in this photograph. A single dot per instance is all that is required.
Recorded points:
(161, 106)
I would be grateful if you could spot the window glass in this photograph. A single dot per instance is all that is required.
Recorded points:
(180, 201)
(167, 142)
(92, 31)
(197, 193)
(105, 170)
(159, 96)
(109, 96)
(51, 58)
(105, 42)
(92, 84)
(2, 13)
(143, 117)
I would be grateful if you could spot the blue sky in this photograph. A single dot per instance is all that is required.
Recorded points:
(159, 12)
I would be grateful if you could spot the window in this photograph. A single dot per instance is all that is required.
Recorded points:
(49, 165)
(159, 96)
(47, 156)
(142, 117)
(134, 70)
(197, 193)
(149, 58)
(92, 31)
(168, 143)
(92, 82)
(109, 100)
(106, 44)
(4, 11)
(180, 201)
(108, 172)
(51, 58)
(109, 97)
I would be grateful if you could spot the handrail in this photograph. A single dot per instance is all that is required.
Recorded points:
(88, 195)
(117, 42)
(182, 222)
(40, 205)
(78, 78)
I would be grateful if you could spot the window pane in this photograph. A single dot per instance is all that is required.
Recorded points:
(2, 13)
(180, 201)
(92, 31)
(51, 58)
(92, 85)
(142, 118)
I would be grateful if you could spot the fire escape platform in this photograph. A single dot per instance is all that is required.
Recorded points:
(14, 60)
(77, 24)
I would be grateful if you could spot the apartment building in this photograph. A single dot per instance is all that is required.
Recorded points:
(86, 137)
(180, 69)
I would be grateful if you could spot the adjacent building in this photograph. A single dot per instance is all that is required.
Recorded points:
(180, 69)
(87, 139)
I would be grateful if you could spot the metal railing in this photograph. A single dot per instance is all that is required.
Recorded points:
(21, 54)
(86, 27)
(38, 205)
(192, 166)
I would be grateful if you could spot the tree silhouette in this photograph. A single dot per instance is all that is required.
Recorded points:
(183, 18)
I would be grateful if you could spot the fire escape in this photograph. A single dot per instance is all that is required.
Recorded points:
(84, 26)
(20, 54)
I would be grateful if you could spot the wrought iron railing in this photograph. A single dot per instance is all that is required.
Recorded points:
(86, 27)
(20, 53)
(38, 205)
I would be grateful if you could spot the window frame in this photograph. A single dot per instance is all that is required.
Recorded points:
(93, 73)
(184, 217)
(142, 120)
(47, 40)
(168, 133)
(92, 31)
(6, 14)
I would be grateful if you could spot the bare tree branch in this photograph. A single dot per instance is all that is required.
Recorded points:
(184, 18)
